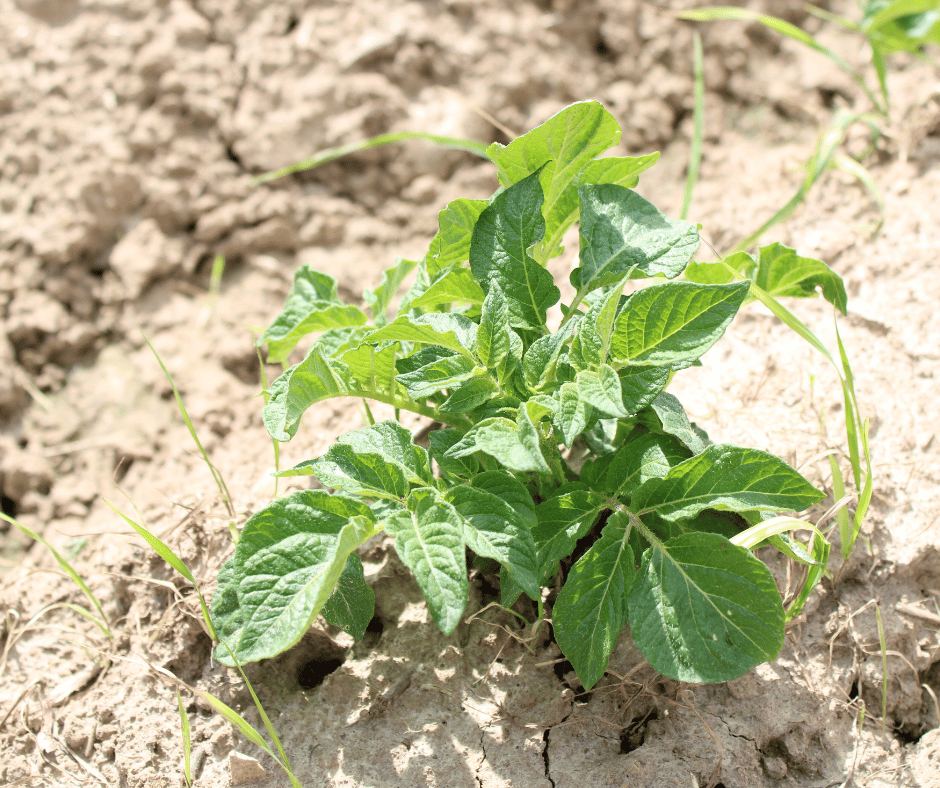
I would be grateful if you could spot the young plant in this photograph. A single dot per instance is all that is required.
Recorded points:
(472, 347)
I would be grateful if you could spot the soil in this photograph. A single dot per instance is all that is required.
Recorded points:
(131, 131)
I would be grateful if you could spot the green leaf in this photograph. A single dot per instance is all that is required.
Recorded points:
(641, 386)
(514, 444)
(393, 443)
(601, 390)
(312, 305)
(621, 233)
(781, 273)
(494, 530)
(368, 475)
(675, 421)
(718, 273)
(372, 368)
(541, 359)
(470, 395)
(352, 604)
(429, 540)
(492, 344)
(314, 379)
(499, 252)
(509, 489)
(726, 477)
(572, 413)
(443, 373)
(461, 467)
(287, 562)
(591, 346)
(705, 610)
(380, 298)
(648, 456)
(457, 285)
(563, 520)
(454, 332)
(451, 245)
(674, 322)
(591, 609)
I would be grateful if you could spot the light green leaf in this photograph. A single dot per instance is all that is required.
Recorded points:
(372, 368)
(648, 456)
(454, 332)
(462, 467)
(492, 344)
(457, 285)
(514, 444)
(451, 245)
(429, 540)
(601, 390)
(572, 413)
(394, 444)
(726, 477)
(499, 252)
(312, 305)
(443, 373)
(352, 604)
(591, 346)
(704, 610)
(563, 520)
(314, 379)
(781, 273)
(674, 322)
(591, 609)
(380, 298)
(675, 421)
(467, 396)
(287, 562)
(718, 273)
(541, 359)
(641, 386)
(621, 232)
(356, 473)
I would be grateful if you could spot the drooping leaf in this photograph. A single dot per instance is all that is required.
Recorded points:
(621, 232)
(429, 540)
(457, 285)
(372, 368)
(492, 344)
(782, 273)
(454, 332)
(591, 609)
(470, 395)
(314, 379)
(704, 610)
(380, 298)
(514, 444)
(675, 421)
(499, 252)
(674, 322)
(717, 273)
(563, 520)
(726, 477)
(443, 373)
(286, 565)
(451, 245)
(312, 305)
(352, 604)
(648, 456)
(393, 443)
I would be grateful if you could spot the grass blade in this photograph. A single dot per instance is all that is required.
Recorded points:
(187, 752)
(455, 143)
(695, 154)
(842, 516)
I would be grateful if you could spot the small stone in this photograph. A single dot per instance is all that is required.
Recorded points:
(775, 768)
(245, 769)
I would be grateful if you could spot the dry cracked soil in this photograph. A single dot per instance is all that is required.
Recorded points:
(131, 133)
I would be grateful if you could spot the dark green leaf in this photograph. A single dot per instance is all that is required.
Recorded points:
(705, 610)
(726, 477)
(505, 486)
(353, 604)
(499, 252)
(429, 540)
(541, 359)
(674, 421)
(394, 445)
(648, 456)
(641, 386)
(621, 232)
(470, 395)
(572, 413)
(356, 473)
(591, 609)
(514, 444)
(674, 322)
(601, 390)
(591, 346)
(461, 467)
(563, 520)
(312, 305)
(493, 334)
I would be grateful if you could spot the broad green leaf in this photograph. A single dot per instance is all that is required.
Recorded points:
(457, 285)
(704, 610)
(563, 520)
(674, 322)
(380, 298)
(718, 273)
(780, 272)
(494, 530)
(648, 456)
(514, 444)
(429, 540)
(394, 444)
(572, 413)
(443, 373)
(726, 477)
(470, 395)
(372, 368)
(462, 467)
(601, 390)
(286, 565)
(621, 232)
(454, 332)
(591, 609)
(314, 379)
(641, 386)
(509, 489)
(541, 359)
(675, 421)
(357, 473)
(492, 344)
(591, 346)
(499, 252)
(352, 604)
(451, 245)
(312, 305)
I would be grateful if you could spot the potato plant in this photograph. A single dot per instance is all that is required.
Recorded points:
(471, 347)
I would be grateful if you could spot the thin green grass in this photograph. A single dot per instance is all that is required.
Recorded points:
(185, 733)
(695, 154)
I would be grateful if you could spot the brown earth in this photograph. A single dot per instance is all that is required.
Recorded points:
(131, 130)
